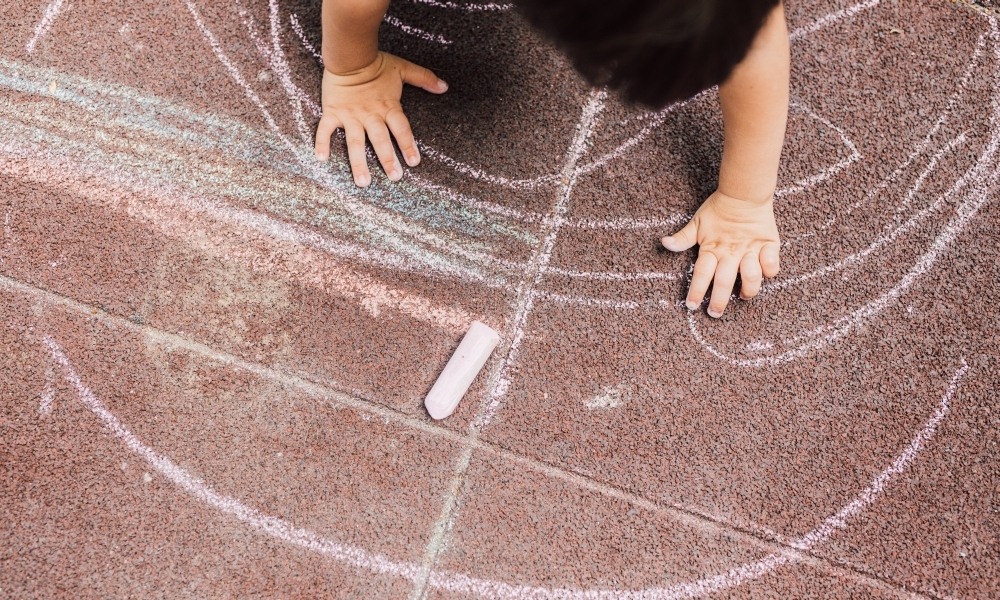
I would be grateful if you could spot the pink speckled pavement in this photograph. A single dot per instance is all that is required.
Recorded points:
(214, 350)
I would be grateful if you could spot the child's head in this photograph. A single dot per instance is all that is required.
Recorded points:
(653, 51)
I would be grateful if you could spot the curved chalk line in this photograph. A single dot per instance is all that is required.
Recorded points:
(459, 583)
(414, 31)
(810, 182)
(920, 148)
(890, 236)
(657, 119)
(322, 177)
(975, 199)
(844, 325)
(490, 6)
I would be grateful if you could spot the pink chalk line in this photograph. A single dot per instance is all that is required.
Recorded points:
(459, 583)
(51, 12)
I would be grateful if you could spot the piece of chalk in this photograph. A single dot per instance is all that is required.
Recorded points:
(461, 370)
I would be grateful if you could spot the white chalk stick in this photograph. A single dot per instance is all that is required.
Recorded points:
(461, 370)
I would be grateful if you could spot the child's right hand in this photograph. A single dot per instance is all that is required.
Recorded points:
(733, 236)
(367, 101)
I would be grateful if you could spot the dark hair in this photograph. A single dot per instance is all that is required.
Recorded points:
(653, 51)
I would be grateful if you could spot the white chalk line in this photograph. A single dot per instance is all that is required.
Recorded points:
(48, 17)
(294, 19)
(890, 236)
(967, 209)
(541, 259)
(416, 31)
(488, 7)
(832, 18)
(848, 323)
(275, 57)
(527, 216)
(920, 148)
(657, 119)
(813, 181)
(499, 381)
(459, 583)
(307, 161)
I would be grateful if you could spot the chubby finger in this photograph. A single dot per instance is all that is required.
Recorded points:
(701, 278)
(324, 131)
(399, 125)
(423, 78)
(683, 239)
(378, 133)
(725, 279)
(769, 262)
(354, 133)
(751, 275)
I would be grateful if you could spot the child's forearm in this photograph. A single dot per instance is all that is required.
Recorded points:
(350, 33)
(754, 110)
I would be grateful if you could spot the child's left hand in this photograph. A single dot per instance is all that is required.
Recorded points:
(734, 236)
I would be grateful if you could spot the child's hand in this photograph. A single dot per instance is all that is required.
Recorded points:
(733, 236)
(367, 101)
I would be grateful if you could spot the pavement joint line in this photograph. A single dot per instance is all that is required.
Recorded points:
(498, 381)
(697, 520)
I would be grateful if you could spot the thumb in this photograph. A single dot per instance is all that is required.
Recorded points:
(683, 239)
(423, 78)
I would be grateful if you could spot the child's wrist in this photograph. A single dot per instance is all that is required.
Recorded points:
(356, 76)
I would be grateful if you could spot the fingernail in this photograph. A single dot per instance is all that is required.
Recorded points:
(320, 157)
(362, 180)
(396, 174)
(715, 314)
(691, 305)
(442, 85)
(413, 159)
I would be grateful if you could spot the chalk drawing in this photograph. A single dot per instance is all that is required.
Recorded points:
(832, 18)
(811, 182)
(305, 41)
(276, 58)
(893, 234)
(48, 17)
(48, 397)
(540, 261)
(458, 583)
(920, 148)
(278, 248)
(982, 177)
(414, 31)
(848, 323)
(610, 397)
(488, 7)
